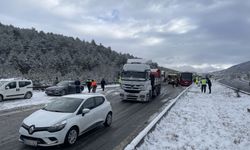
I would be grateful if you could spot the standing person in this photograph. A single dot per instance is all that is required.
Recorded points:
(88, 83)
(209, 85)
(56, 81)
(103, 83)
(203, 85)
(77, 84)
(93, 85)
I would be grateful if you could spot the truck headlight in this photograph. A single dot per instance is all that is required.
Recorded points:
(57, 127)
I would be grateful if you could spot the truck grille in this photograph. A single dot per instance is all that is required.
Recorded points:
(131, 91)
(131, 87)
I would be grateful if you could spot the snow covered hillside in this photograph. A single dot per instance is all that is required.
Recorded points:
(204, 121)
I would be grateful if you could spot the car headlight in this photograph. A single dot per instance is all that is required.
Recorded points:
(57, 127)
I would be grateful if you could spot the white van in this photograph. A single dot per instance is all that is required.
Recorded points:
(15, 88)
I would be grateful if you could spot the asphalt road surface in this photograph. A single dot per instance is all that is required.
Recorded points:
(129, 118)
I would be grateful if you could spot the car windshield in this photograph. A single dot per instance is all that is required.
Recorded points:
(63, 83)
(2, 82)
(132, 75)
(63, 104)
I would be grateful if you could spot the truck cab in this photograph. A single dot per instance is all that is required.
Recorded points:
(136, 82)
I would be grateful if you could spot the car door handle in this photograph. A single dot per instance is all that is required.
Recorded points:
(17, 89)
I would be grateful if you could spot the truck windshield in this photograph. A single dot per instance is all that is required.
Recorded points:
(132, 75)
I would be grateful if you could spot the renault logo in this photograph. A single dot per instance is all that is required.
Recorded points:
(32, 129)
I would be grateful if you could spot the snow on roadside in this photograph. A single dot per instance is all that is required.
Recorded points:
(204, 121)
(38, 98)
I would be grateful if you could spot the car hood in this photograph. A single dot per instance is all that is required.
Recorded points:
(43, 118)
(55, 88)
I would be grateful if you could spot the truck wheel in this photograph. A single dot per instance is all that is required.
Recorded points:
(150, 95)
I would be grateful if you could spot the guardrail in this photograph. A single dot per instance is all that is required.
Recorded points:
(233, 88)
(134, 143)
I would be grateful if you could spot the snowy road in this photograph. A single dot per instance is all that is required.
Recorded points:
(129, 119)
(217, 121)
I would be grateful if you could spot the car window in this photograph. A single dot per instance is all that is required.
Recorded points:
(24, 83)
(11, 85)
(99, 100)
(89, 103)
(63, 104)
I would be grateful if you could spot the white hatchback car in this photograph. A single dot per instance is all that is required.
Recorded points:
(15, 88)
(65, 118)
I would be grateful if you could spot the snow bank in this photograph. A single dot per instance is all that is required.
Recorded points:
(37, 99)
(40, 97)
(204, 121)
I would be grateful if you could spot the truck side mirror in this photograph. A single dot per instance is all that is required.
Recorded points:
(7, 87)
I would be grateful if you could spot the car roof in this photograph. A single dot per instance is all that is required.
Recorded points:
(14, 79)
(84, 96)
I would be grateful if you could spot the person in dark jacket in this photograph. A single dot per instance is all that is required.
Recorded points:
(103, 83)
(78, 84)
(56, 81)
(88, 83)
(209, 85)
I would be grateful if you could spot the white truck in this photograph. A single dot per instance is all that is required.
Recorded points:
(139, 82)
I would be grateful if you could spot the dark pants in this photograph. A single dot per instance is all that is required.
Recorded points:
(78, 90)
(89, 88)
(209, 87)
(203, 88)
(103, 87)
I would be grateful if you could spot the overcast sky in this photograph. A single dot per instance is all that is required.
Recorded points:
(204, 35)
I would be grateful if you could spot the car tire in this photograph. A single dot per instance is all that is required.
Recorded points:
(108, 120)
(1, 98)
(63, 92)
(71, 136)
(28, 95)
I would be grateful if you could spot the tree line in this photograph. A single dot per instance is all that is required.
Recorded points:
(42, 57)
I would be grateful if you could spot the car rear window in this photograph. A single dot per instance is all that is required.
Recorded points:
(24, 83)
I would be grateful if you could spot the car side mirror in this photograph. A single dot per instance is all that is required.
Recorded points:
(7, 87)
(85, 111)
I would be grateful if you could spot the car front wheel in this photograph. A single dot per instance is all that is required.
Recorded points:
(71, 136)
(63, 92)
(108, 120)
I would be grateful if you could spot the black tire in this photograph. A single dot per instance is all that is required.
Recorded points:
(28, 95)
(108, 120)
(63, 92)
(1, 98)
(71, 136)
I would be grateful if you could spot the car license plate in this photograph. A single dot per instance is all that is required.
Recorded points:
(30, 142)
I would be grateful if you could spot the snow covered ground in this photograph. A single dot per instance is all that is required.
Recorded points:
(38, 98)
(201, 121)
